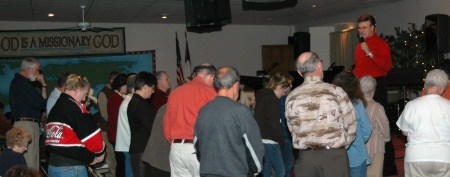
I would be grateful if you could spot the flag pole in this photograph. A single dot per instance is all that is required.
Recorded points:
(180, 74)
(187, 60)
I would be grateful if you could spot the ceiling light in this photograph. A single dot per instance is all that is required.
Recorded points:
(164, 16)
(314, 6)
(51, 15)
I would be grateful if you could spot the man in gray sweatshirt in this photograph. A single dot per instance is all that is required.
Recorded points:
(227, 138)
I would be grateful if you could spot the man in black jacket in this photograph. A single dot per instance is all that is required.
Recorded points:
(140, 117)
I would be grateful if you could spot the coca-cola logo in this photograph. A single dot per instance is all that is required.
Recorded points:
(54, 132)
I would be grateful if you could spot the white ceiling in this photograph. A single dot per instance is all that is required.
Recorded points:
(149, 11)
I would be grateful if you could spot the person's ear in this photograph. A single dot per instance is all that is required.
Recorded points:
(236, 85)
(319, 66)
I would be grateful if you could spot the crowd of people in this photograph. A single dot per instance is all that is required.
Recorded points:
(211, 126)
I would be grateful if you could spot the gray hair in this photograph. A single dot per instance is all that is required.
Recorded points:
(130, 83)
(225, 77)
(436, 77)
(309, 65)
(368, 85)
(158, 74)
(28, 62)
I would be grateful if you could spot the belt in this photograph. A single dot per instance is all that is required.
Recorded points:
(182, 141)
(312, 148)
(27, 119)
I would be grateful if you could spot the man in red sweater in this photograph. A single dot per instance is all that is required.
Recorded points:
(373, 58)
(182, 110)
(159, 98)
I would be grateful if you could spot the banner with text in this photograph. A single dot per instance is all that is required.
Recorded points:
(37, 43)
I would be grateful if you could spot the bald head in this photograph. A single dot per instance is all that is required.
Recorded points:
(304, 56)
(309, 63)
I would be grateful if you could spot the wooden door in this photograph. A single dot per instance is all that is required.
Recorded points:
(277, 58)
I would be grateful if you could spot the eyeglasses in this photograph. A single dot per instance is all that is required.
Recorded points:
(25, 145)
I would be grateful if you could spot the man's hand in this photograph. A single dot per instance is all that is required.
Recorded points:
(98, 159)
(366, 49)
(40, 78)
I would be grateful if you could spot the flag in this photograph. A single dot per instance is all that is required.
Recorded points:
(187, 59)
(180, 76)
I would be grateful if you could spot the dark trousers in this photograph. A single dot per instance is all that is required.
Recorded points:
(137, 164)
(322, 163)
(120, 161)
(381, 95)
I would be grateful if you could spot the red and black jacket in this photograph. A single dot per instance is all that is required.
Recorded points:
(72, 132)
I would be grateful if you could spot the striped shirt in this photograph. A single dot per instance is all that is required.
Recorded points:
(380, 126)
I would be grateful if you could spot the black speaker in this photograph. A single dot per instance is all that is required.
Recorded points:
(301, 43)
(206, 13)
(436, 33)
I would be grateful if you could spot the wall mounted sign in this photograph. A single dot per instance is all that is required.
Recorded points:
(38, 43)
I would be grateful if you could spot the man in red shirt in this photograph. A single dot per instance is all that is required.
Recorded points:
(182, 109)
(373, 58)
(159, 98)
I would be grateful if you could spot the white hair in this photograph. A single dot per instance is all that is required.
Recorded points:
(28, 62)
(368, 85)
(436, 77)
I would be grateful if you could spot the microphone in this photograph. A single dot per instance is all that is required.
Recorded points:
(274, 65)
(331, 66)
(360, 37)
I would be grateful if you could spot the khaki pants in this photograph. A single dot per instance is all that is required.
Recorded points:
(110, 158)
(375, 169)
(32, 153)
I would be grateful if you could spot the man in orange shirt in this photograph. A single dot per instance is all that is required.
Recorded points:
(182, 109)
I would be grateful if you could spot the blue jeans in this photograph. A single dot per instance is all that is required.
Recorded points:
(273, 157)
(128, 168)
(359, 171)
(288, 157)
(67, 171)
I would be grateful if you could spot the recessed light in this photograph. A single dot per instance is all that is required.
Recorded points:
(51, 15)
(164, 16)
(314, 6)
